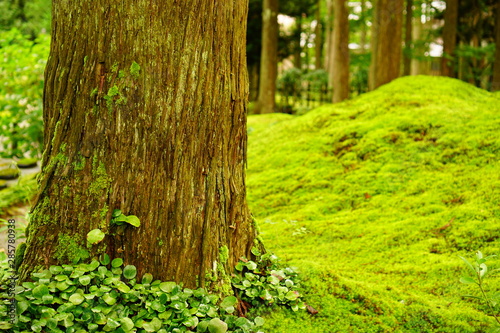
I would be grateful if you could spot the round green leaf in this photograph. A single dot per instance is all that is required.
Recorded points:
(95, 236)
(167, 286)
(147, 278)
(228, 301)
(259, 321)
(133, 220)
(117, 262)
(76, 299)
(40, 291)
(127, 324)
(108, 299)
(217, 326)
(129, 272)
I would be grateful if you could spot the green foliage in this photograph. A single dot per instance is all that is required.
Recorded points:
(391, 186)
(23, 63)
(266, 281)
(31, 17)
(118, 218)
(477, 63)
(21, 193)
(480, 271)
(105, 296)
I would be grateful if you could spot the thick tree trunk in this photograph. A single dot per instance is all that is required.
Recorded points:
(408, 38)
(386, 51)
(449, 38)
(145, 111)
(340, 66)
(269, 58)
(495, 85)
(297, 52)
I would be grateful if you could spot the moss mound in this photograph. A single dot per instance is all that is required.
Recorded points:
(374, 198)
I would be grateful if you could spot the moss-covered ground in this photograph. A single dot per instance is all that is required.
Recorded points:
(373, 200)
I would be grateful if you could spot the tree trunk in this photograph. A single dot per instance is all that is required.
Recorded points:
(269, 58)
(408, 38)
(253, 78)
(495, 85)
(340, 66)
(329, 35)
(386, 52)
(363, 33)
(318, 40)
(449, 38)
(297, 52)
(145, 111)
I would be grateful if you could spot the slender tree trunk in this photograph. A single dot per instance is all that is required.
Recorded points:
(408, 38)
(297, 54)
(329, 36)
(449, 38)
(363, 33)
(495, 85)
(269, 58)
(386, 52)
(145, 111)
(318, 40)
(340, 69)
(253, 78)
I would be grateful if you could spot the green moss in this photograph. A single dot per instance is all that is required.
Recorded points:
(79, 164)
(94, 92)
(135, 70)
(224, 254)
(69, 249)
(391, 187)
(101, 181)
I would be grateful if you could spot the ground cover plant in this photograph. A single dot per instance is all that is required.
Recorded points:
(374, 199)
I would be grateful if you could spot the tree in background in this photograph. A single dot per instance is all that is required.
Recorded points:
(269, 58)
(254, 46)
(31, 17)
(339, 74)
(151, 122)
(408, 38)
(386, 42)
(495, 85)
(449, 38)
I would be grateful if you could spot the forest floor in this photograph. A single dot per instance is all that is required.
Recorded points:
(374, 199)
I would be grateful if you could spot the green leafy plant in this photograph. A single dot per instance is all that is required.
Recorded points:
(23, 63)
(118, 218)
(105, 295)
(480, 271)
(266, 281)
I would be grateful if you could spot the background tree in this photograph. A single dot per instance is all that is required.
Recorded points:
(408, 38)
(340, 48)
(266, 102)
(449, 38)
(254, 46)
(386, 42)
(145, 111)
(495, 85)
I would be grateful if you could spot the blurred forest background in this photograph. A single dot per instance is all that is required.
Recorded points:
(301, 53)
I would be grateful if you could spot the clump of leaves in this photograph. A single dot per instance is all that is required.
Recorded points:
(480, 271)
(267, 281)
(106, 296)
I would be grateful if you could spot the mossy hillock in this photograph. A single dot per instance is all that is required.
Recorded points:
(373, 200)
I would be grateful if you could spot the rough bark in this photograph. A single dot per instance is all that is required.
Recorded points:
(449, 38)
(340, 47)
(386, 40)
(408, 38)
(495, 85)
(269, 58)
(145, 111)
